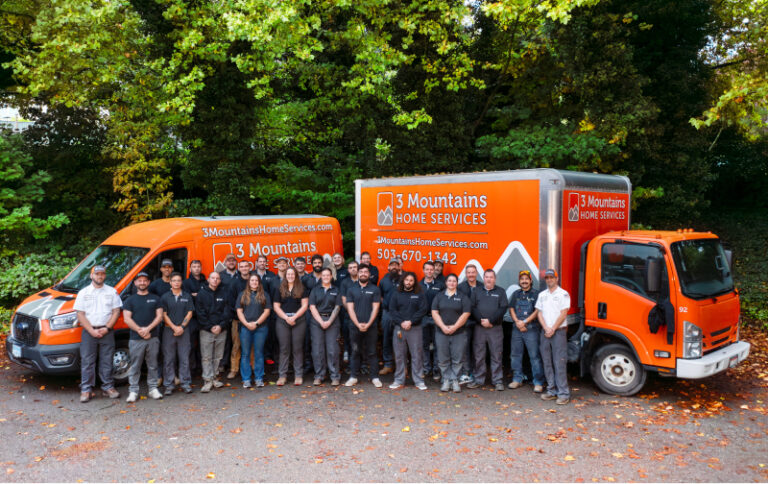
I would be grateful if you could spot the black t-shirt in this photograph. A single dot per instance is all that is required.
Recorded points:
(325, 300)
(290, 304)
(363, 299)
(451, 308)
(177, 307)
(432, 289)
(143, 310)
(159, 287)
(254, 309)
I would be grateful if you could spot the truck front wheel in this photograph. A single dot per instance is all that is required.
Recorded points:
(615, 370)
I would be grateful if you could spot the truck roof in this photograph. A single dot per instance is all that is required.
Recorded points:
(562, 178)
(154, 232)
(668, 236)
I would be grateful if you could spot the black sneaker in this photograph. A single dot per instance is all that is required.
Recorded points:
(168, 391)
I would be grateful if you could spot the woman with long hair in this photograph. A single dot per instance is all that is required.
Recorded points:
(291, 303)
(253, 308)
(324, 305)
(450, 310)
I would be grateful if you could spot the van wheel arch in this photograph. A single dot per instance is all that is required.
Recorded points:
(121, 361)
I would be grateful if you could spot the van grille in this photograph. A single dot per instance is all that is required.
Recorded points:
(25, 329)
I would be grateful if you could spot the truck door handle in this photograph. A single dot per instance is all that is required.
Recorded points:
(602, 310)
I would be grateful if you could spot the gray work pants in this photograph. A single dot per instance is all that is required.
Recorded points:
(291, 339)
(494, 338)
(450, 353)
(141, 351)
(554, 355)
(211, 351)
(404, 342)
(325, 349)
(176, 347)
(90, 349)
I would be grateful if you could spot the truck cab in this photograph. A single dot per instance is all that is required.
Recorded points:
(660, 301)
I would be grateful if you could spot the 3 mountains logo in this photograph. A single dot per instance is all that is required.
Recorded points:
(384, 210)
(573, 207)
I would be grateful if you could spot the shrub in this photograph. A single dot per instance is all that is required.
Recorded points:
(22, 276)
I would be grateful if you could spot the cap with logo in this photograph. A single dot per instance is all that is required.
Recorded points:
(141, 274)
(282, 257)
(166, 262)
(98, 268)
(550, 273)
(524, 272)
(394, 261)
(230, 256)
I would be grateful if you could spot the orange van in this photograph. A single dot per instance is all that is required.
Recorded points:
(641, 300)
(44, 333)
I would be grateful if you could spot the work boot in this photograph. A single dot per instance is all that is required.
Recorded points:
(515, 384)
(386, 370)
(562, 400)
(85, 396)
(538, 388)
(548, 396)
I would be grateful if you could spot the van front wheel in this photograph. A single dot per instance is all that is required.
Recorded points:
(121, 362)
(616, 371)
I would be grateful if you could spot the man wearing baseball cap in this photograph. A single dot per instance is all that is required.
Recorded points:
(162, 284)
(143, 313)
(98, 307)
(553, 304)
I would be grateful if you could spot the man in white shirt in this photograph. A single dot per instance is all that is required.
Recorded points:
(553, 304)
(98, 307)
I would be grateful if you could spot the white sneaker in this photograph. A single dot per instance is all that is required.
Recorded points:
(132, 397)
(421, 386)
(376, 382)
(155, 394)
(396, 386)
(351, 382)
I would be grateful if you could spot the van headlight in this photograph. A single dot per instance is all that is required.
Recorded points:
(63, 321)
(691, 340)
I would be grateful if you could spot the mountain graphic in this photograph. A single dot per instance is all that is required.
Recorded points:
(385, 216)
(573, 214)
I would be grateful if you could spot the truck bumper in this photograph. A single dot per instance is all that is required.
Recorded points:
(49, 359)
(714, 362)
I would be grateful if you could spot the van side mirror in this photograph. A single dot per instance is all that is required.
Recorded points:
(653, 274)
(729, 258)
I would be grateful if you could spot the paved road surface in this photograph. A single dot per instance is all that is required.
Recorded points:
(712, 430)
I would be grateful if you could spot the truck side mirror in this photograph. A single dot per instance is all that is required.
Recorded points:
(729, 258)
(653, 274)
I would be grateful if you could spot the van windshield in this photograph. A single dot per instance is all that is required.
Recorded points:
(117, 259)
(702, 268)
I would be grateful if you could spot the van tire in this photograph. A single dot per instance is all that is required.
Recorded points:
(616, 371)
(121, 362)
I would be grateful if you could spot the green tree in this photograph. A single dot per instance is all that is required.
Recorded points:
(21, 189)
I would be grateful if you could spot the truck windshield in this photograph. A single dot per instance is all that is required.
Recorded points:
(118, 260)
(702, 268)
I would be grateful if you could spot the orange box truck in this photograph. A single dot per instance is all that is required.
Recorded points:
(642, 301)
(44, 333)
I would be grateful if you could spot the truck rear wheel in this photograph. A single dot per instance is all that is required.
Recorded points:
(616, 371)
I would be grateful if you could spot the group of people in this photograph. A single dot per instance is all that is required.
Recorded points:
(306, 319)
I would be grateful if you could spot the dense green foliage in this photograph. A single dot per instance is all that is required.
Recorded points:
(153, 108)
(26, 275)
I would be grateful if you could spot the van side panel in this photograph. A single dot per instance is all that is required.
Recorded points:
(272, 238)
(493, 224)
